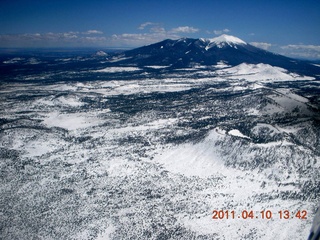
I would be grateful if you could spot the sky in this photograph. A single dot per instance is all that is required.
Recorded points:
(289, 27)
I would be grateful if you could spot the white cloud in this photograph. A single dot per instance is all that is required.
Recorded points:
(144, 25)
(156, 32)
(219, 32)
(157, 29)
(92, 32)
(301, 51)
(302, 47)
(139, 39)
(66, 39)
(153, 27)
(150, 32)
(262, 45)
(185, 29)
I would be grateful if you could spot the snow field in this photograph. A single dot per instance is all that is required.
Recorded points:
(97, 171)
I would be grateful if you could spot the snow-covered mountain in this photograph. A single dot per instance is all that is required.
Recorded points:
(149, 143)
(187, 52)
(223, 41)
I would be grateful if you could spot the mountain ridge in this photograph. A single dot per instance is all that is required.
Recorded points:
(187, 52)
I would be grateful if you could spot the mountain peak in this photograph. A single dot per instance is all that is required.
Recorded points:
(189, 52)
(225, 40)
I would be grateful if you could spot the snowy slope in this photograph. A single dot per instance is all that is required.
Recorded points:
(254, 72)
(224, 40)
(100, 147)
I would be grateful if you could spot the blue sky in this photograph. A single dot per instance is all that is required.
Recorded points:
(287, 27)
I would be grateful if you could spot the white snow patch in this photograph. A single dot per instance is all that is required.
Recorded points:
(106, 235)
(13, 60)
(265, 125)
(63, 60)
(290, 104)
(271, 109)
(38, 148)
(237, 133)
(222, 64)
(290, 94)
(70, 101)
(290, 129)
(157, 67)
(118, 69)
(111, 88)
(199, 159)
(253, 111)
(224, 40)
(157, 124)
(198, 66)
(239, 88)
(101, 53)
(70, 121)
(186, 69)
(261, 71)
(65, 87)
(33, 61)
(255, 85)
(118, 59)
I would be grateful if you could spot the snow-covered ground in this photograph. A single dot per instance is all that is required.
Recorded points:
(152, 158)
(256, 72)
(118, 69)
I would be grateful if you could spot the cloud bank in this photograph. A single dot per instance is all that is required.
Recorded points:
(311, 52)
(301, 51)
(67, 39)
(149, 32)
(146, 33)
